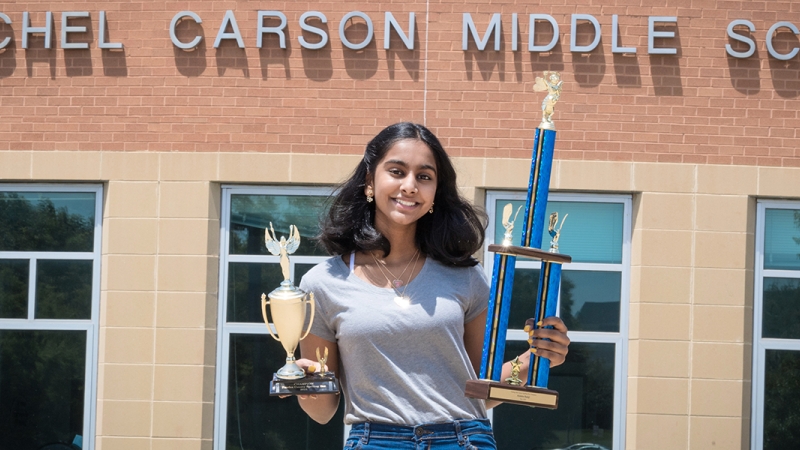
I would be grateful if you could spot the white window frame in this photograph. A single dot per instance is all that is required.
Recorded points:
(90, 326)
(761, 345)
(620, 338)
(224, 329)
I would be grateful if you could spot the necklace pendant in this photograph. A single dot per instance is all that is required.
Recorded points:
(402, 301)
(397, 283)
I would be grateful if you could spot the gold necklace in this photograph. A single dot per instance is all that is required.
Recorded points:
(396, 281)
(400, 298)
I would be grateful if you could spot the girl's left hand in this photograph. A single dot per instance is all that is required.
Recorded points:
(550, 343)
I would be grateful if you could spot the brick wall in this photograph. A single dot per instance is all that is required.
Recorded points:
(699, 106)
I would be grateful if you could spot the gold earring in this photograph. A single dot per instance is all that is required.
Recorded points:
(430, 211)
(369, 194)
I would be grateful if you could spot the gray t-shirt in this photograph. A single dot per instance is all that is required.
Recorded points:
(402, 365)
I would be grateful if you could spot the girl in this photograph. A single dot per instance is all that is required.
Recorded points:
(402, 307)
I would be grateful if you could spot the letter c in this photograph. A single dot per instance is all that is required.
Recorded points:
(195, 42)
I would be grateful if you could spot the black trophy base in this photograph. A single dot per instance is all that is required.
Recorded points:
(507, 393)
(312, 384)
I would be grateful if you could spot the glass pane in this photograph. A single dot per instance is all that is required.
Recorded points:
(246, 283)
(47, 221)
(252, 214)
(782, 239)
(585, 414)
(257, 421)
(593, 231)
(590, 301)
(41, 387)
(781, 308)
(781, 397)
(523, 297)
(14, 288)
(63, 289)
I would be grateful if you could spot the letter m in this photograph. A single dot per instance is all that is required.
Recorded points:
(469, 27)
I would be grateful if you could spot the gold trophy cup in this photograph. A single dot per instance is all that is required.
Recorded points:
(289, 307)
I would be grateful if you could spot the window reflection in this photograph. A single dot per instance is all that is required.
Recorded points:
(257, 421)
(63, 289)
(47, 221)
(585, 383)
(781, 397)
(590, 300)
(41, 387)
(14, 288)
(251, 214)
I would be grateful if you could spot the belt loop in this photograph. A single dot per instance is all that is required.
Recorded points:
(365, 438)
(457, 426)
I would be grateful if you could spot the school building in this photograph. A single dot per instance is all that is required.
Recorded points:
(145, 145)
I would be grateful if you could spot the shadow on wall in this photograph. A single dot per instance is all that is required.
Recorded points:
(665, 70)
(37, 54)
(190, 63)
(744, 72)
(317, 64)
(271, 53)
(229, 56)
(409, 58)
(360, 64)
(785, 79)
(8, 55)
(78, 61)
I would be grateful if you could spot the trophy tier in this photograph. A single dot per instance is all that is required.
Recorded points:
(311, 384)
(518, 395)
(530, 253)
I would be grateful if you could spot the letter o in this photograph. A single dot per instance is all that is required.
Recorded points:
(343, 38)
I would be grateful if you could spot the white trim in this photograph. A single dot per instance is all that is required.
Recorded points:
(226, 329)
(761, 345)
(620, 338)
(91, 325)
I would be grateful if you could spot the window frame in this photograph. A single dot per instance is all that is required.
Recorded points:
(225, 329)
(619, 338)
(91, 325)
(760, 344)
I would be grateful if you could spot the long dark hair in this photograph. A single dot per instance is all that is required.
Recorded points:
(450, 235)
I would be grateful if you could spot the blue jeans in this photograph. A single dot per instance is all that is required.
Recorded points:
(458, 435)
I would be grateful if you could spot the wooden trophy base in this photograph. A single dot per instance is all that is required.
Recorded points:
(507, 393)
(312, 384)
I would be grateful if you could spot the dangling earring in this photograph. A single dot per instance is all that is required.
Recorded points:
(430, 211)
(369, 194)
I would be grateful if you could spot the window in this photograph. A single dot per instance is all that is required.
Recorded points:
(49, 301)
(593, 303)
(247, 418)
(776, 349)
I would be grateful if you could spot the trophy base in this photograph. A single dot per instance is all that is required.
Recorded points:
(313, 384)
(518, 395)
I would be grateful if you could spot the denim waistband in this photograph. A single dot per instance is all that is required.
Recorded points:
(428, 431)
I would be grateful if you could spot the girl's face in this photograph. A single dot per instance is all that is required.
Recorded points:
(404, 184)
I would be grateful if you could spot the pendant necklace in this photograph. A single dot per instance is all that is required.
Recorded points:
(395, 281)
(400, 297)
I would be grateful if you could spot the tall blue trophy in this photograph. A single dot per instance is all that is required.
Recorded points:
(533, 391)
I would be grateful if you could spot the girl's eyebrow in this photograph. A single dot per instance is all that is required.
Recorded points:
(402, 163)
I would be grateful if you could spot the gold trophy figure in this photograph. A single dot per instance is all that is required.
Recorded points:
(289, 307)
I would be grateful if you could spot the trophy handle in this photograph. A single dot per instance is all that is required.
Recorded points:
(264, 304)
(311, 321)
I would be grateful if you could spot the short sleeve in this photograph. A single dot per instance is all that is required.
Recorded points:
(479, 294)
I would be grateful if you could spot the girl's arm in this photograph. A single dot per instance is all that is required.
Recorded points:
(321, 408)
